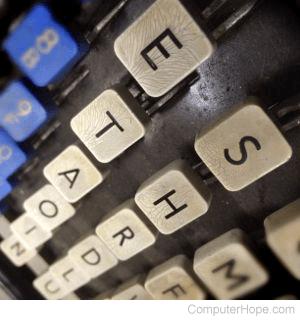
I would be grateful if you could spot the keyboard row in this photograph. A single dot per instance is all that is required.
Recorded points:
(225, 267)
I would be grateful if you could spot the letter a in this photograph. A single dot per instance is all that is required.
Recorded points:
(71, 176)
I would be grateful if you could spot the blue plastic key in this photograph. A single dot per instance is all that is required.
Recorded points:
(5, 188)
(11, 156)
(21, 114)
(41, 47)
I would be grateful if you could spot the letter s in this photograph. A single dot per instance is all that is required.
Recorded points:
(243, 151)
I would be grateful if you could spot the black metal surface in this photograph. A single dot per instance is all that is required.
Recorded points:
(260, 57)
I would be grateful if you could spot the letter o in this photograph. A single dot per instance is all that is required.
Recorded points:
(49, 213)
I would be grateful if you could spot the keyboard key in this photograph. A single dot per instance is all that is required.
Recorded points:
(41, 47)
(282, 233)
(73, 174)
(17, 251)
(160, 50)
(11, 156)
(29, 231)
(173, 197)
(21, 114)
(5, 188)
(92, 256)
(48, 208)
(132, 290)
(227, 267)
(69, 274)
(172, 280)
(124, 232)
(49, 287)
(243, 147)
(110, 124)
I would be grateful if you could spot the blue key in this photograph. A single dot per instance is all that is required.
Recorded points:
(11, 156)
(21, 114)
(5, 188)
(41, 47)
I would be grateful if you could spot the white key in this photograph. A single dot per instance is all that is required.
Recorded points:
(30, 231)
(282, 233)
(243, 147)
(124, 232)
(69, 274)
(4, 227)
(48, 208)
(92, 256)
(162, 47)
(73, 174)
(110, 124)
(38, 265)
(227, 267)
(132, 290)
(49, 286)
(173, 197)
(173, 280)
(16, 250)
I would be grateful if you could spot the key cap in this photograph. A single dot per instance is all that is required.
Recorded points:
(17, 251)
(228, 268)
(11, 156)
(5, 188)
(282, 233)
(110, 124)
(132, 290)
(72, 174)
(92, 256)
(48, 208)
(21, 114)
(243, 147)
(29, 231)
(41, 47)
(49, 286)
(173, 197)
(69, 274)
(173, 280)
(124, 232)
(163, 47)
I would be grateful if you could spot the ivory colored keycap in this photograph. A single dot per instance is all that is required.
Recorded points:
(282, 233)
(92, 256)
(172, 280)
(132, 290)
(48, 208)
(69, 274)
(110, 124)
(173, 197)
(124, 232)
(227, 267)
(243, 147)
(16, 250)
(73, 174)
(30, 231)
(49, 286)
(38, 265)
(162, 47)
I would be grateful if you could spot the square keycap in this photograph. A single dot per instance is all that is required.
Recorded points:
(11, 156)
(41, 47)
(243, 146)
(228, 268)
(110, 124)
(173, 197)
(21, 114)
(5, 188)
(73, 174)
(163, 47)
